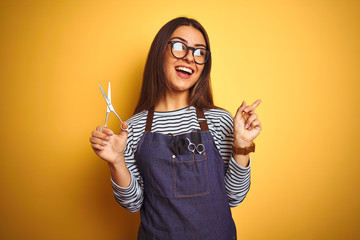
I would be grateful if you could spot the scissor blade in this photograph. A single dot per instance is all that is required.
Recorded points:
(107, 116)
(106, 98)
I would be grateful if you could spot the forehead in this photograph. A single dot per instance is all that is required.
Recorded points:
(192, 35)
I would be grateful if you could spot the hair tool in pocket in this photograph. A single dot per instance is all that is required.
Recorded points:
(196, 144)
(177, 146)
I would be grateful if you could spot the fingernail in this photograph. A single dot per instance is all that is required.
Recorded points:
(105, 143)
(101, 147)
(107, 138)
(247, 125)
(246, 109)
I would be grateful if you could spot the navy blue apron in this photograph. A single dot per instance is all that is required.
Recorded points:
(184, 195)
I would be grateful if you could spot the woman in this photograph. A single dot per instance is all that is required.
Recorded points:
(183, 191)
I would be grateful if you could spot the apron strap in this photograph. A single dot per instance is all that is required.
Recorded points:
(202, 120)
(149, 119)
(199, 113)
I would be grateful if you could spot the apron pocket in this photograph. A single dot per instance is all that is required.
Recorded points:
(190, 175)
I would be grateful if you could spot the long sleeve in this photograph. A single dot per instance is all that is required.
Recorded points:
(237, 182)
(237, 178)
(131, 198)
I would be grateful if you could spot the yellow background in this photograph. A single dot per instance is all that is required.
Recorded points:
(300, 57)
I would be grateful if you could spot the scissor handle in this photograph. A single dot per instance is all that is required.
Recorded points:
(101, 128)
(191, 146)
(124, 129)
(106, 119)
(200, 148)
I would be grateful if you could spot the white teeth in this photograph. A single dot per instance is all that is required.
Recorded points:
(185, 69)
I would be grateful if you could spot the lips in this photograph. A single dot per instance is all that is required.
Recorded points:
(184, 72)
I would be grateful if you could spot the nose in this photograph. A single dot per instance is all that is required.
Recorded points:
(190, 55)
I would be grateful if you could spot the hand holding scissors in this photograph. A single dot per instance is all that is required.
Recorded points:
(105, 143)
(110, 108)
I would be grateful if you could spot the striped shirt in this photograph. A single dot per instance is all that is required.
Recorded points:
(220, 122)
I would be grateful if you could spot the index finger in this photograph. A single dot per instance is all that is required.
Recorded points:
(252, 107)
(105, 130)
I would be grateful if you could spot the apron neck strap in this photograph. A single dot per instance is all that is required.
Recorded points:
(149, 119)
(202, 120)
(200, 116)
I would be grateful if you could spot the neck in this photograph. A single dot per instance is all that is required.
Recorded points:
(173, 101)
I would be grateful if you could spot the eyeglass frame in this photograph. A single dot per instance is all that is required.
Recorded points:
(187, 51)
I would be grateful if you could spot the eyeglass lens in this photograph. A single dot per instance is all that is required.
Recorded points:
(180, 50)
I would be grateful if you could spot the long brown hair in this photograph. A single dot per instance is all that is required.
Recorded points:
(154, 83)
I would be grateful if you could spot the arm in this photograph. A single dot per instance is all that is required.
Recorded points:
(246, 128)
(240, 131)
(131, 196)
(117, 151)
(237, 177)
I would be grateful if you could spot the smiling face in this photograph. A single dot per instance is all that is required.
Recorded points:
(182, 74)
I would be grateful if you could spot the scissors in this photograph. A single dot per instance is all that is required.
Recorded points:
(110, 108)
(192, 147)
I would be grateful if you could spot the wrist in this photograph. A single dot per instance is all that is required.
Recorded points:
(242, 143)
(117, 163)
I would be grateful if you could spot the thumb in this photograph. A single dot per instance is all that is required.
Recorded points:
(124, 128)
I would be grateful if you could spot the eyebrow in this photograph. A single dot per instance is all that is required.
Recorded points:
(196, 45)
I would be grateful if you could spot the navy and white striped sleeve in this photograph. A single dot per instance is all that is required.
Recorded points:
(237, 178)
(131, 197)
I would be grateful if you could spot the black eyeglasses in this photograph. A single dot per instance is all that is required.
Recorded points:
(180, 50)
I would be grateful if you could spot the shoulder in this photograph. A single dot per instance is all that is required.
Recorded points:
(139, 117)
(136, 128)
(220, 122)
(137, 122)
(218, 113)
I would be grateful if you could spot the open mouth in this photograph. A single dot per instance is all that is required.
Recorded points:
(184, 71)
